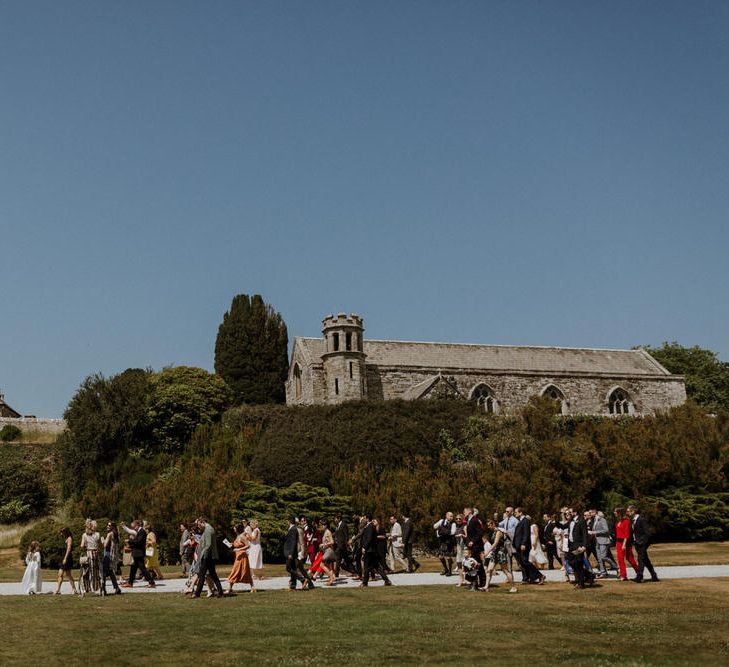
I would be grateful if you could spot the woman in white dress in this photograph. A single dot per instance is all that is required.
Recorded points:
(32, 582)
(536, 554)
(255, 552)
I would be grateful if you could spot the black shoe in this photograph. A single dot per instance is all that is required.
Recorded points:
(117, 591)
(388, 583)
(656, 579)
(637, 580)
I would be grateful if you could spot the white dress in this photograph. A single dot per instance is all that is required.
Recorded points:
(536, 554)
(32, 582)
(255, 553)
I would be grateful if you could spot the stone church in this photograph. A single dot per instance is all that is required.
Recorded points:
(343, 366)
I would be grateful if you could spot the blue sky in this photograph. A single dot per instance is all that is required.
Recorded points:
(528, 173)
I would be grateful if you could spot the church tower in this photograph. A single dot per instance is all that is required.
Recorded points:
(344, 359)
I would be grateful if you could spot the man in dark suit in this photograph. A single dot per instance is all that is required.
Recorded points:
(640, 538)
(138, 544)
(372, 564)
(291, 553)
(522, 546)
(360, 523)
(407, 543)
(578, 541)
(550, 524)
(341, 545)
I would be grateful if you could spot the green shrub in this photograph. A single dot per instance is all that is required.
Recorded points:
(23, 483)
(305, 444)
(10, 432)
(681, 516)
(14, 512)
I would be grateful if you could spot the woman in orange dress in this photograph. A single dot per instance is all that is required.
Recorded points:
(241, 572)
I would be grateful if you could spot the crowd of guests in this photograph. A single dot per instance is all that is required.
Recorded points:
(480, 547)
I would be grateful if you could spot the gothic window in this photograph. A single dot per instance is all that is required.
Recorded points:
(297, 382)
(335, 342)
(484, 398)
(555, 393)
(351, 370)
(348, 341)
(619, 402)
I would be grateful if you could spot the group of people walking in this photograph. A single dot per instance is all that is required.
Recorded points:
(479, 546)
(319, 549)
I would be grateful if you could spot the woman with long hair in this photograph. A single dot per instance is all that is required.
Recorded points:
(622, 545)
(66, 562)
(111, 558)
(241, 572)
(151, 561)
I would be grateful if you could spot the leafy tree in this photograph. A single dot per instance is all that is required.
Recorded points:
(10, 432)
(181, 399)
(106, 418)
(707, 378)
(251, 351)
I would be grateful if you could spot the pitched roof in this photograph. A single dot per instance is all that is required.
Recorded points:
(499, 357)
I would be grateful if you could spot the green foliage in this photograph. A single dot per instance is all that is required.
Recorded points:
(106, 418)
(251, 351)
(683, 516)
(14, 511)
(707, 378)
(181, 399)
(10, 432)
(305, 444)
(21, 486)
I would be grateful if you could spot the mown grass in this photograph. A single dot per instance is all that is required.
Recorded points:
(672, 623)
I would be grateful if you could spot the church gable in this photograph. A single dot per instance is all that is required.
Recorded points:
(437, 386)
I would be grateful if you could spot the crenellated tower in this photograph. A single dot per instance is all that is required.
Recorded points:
(344, 359)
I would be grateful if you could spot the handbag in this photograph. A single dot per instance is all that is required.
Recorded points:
(329, 555)
(149, 552)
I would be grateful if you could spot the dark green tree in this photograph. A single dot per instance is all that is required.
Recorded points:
(707, 378)
(105, 419)
(181, 399)
(251, 351)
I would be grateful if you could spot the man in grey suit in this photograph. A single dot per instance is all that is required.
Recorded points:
(601, 532)
(208, 558)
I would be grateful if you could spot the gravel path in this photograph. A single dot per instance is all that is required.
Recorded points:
(418, 579)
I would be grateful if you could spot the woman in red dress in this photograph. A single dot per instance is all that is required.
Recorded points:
(622, 537)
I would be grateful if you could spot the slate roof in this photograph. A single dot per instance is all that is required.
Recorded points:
(498, 357)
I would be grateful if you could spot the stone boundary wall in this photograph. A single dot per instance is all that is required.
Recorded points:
(31, 424)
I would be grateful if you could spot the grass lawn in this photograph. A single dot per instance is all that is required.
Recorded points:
(671, 623)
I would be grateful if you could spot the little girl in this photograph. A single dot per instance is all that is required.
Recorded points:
(32, 582)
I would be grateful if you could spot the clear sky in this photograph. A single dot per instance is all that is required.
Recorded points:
(502, 172)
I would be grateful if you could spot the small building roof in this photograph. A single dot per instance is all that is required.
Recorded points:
(6, 410)
(498, 357)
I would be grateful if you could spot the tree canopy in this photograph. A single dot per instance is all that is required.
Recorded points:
(707, 378)
(251, 351)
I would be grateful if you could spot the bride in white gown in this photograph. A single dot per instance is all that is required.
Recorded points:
(32, 582)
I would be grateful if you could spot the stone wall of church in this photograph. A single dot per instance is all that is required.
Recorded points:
(584, 394)
(313, 386)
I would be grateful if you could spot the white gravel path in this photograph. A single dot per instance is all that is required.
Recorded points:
(417, 579)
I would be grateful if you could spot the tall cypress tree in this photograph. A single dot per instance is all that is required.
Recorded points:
(251, 351)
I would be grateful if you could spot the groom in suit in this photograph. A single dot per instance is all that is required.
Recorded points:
(138, 544)
(291, 552)
(640, 538)
(522, 547)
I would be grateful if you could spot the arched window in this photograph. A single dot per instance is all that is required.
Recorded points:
(556, 394)
(619, 402)
(485, 399)
(297, 382)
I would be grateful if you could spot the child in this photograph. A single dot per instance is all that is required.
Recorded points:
(470, 569)
(32, 582)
